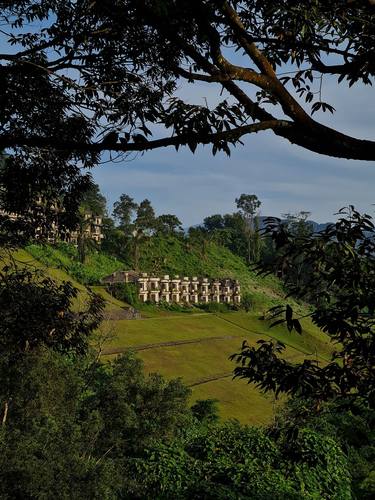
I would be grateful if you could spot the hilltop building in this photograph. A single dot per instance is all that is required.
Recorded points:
(185, 290)
(92, 226)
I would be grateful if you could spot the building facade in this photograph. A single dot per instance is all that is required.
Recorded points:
(179, 290)
(91, 226)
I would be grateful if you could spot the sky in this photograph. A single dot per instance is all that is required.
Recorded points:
(285, 177)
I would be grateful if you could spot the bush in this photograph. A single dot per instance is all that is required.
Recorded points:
(206, 410)
(216, 307)
(247, 302)
(126, 292)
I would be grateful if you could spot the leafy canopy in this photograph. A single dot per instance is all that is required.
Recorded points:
(340, 288)
(99, 75)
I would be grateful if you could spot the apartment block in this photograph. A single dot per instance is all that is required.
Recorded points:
(91, 227)
(179, 289)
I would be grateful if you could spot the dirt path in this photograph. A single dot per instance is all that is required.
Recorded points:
(171, 343)
(211, 378)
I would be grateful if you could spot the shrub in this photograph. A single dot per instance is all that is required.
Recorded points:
(126, 292)
(206, 410)
(216, 307)
(247, 302)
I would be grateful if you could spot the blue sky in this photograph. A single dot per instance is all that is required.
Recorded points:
(286, 178)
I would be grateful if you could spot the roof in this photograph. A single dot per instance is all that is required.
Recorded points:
(121, 277)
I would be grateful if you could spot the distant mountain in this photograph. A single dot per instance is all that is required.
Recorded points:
(317, 226)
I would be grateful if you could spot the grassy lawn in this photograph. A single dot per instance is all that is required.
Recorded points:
(203, 364)
(202, 361)
(170, 328)
(238, 400)
(197, 361)
(311, 341)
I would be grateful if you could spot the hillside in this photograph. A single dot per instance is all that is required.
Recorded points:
(165, 255)
(193, 346)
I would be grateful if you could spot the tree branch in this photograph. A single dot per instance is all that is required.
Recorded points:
(290, 106)
(9, 141)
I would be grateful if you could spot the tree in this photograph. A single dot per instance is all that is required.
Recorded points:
(145, 220)
(298, 224)
(93, 204)
(48, 442)
(249, 205)
(139, 408)
(213, 222)
(231, 461)
(299, 227)
(98, 74)
(341, 261)
(123, 211)
(92, 201)
(37, 313)
(168, 224)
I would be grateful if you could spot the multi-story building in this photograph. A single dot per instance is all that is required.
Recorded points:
(91, 227)
(185, 290)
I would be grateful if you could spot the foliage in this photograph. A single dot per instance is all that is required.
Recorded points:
(36, 312)
(126, 292)
(139, 408)
(351, 426)
(68, 97)
(46, 446)
(73, 424)
(247, 301)
(98, 264)
(249, 209)
(240, 231)
(168, 224)
(93, 202)
(206, 410)
(123, 211)
(145, 219)
(233, 461)
(341, 259)
(215, 307)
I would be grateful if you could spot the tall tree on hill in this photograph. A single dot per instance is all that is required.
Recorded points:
(93, 201)
(143, 227)
(168, 224)
(124, 210)
(298, 226)
(145, 220)
(122, 237)
(213, 222)
(93, 204)
(248, 204)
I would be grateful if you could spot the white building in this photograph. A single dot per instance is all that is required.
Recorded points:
(185, 290)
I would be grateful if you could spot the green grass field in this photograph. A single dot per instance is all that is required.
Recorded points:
(196, 346)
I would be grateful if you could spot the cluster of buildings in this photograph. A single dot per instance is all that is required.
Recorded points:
(91, 225)
(186, 290)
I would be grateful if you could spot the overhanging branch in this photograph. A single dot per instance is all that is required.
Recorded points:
(9, 141)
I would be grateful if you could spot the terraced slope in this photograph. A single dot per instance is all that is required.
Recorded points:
(196, 346)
